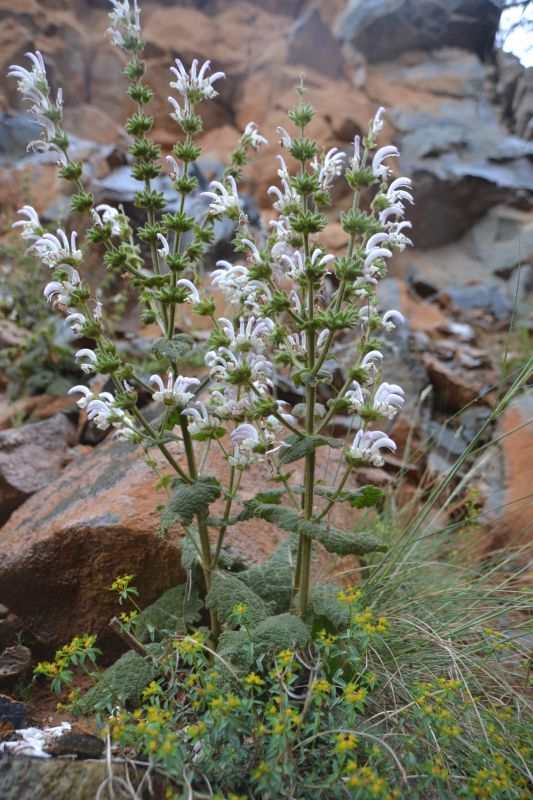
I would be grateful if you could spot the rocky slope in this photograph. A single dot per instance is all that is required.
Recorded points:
(460, 113)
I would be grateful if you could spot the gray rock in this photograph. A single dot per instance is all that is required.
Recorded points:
(16, 132)
(449, 72)
(383, 29)
(463, 164)
(485, 297)
(313, 45)
(514, 93)
(31, 457)
(59, 779)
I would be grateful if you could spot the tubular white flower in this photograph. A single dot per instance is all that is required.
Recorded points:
(164, 250)
(59, 291)
(179, 113)
(33, 85)
(194, 296)
(355, 397)
(56, 250)
(388, 399)
(355, 161)
(368, 444)
(391, 319)
(76, 322)
(376, 240)
(177, 389)
(372, 361)
(296, 262)
(124, 17)
(283, 410)
(86, 395)
(375, 254)
(287, 200)
(90, 366)
(256, 255)
(195, 85)
(398, 191)
(110, 215)
(200, 417)
(251, 334)
(330, 168)
(31, 227)
(252, 136)
(379, 169)
(244, 439)
(377, 124)
(232, 280)
(224, 201)
(286, 138)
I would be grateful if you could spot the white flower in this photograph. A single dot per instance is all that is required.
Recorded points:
(200, 417)
(195, 85)
(288, 200)
(296, 262)
(283, 407)
(224, 201)
(330, 168)
(179, 113)
(376, 253)
(252, 137)
(379, 169)
(398, 239)
(367, 445)
(232, 280)
(375, 240)
(355, 161)
(372, 361)
(391, 319)
(356, 397)
(244, 439)
(87, 395)
(377, 123)
(388, 399)
(31, 227)
(164, 250)
(102, 411)
(123, 16)
(256, 255)
(90, 366)
(224, 363)
(76, 322)
(398, 191)
(110, 215)
(59, 291)
(177, 390)
(251, 334)
(284, 236)
(56, 250)
(286, 138)
(194, 296)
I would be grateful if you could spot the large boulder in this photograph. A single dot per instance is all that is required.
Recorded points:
(61, 551)
(383, 29)
(31, 457)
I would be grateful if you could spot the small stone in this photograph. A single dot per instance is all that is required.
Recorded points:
(14, 664)
(76, 743)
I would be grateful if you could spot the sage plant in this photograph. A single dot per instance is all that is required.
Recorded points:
(292, 304)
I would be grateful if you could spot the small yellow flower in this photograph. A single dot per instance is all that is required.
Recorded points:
(254, 680)
(262, 769)
(152, 689)
(345, 742)
(285, 657)
(350, 596)
(240, 608)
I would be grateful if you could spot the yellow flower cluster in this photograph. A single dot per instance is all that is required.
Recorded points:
(127, 617)
(355, 694)
(121, 583)
(346, 742)
(190, 644)
(368, 781)
(254, 680)
(349, 596)
(326, 638)
(152, 690)
(369, 624)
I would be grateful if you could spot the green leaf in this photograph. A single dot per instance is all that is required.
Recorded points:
(189, 500)
(365, 497)
(343, 544)
(282, 632)
(226, 591)
(173, 349)
(300, 447)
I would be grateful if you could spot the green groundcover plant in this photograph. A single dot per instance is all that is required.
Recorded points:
(290, 689)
